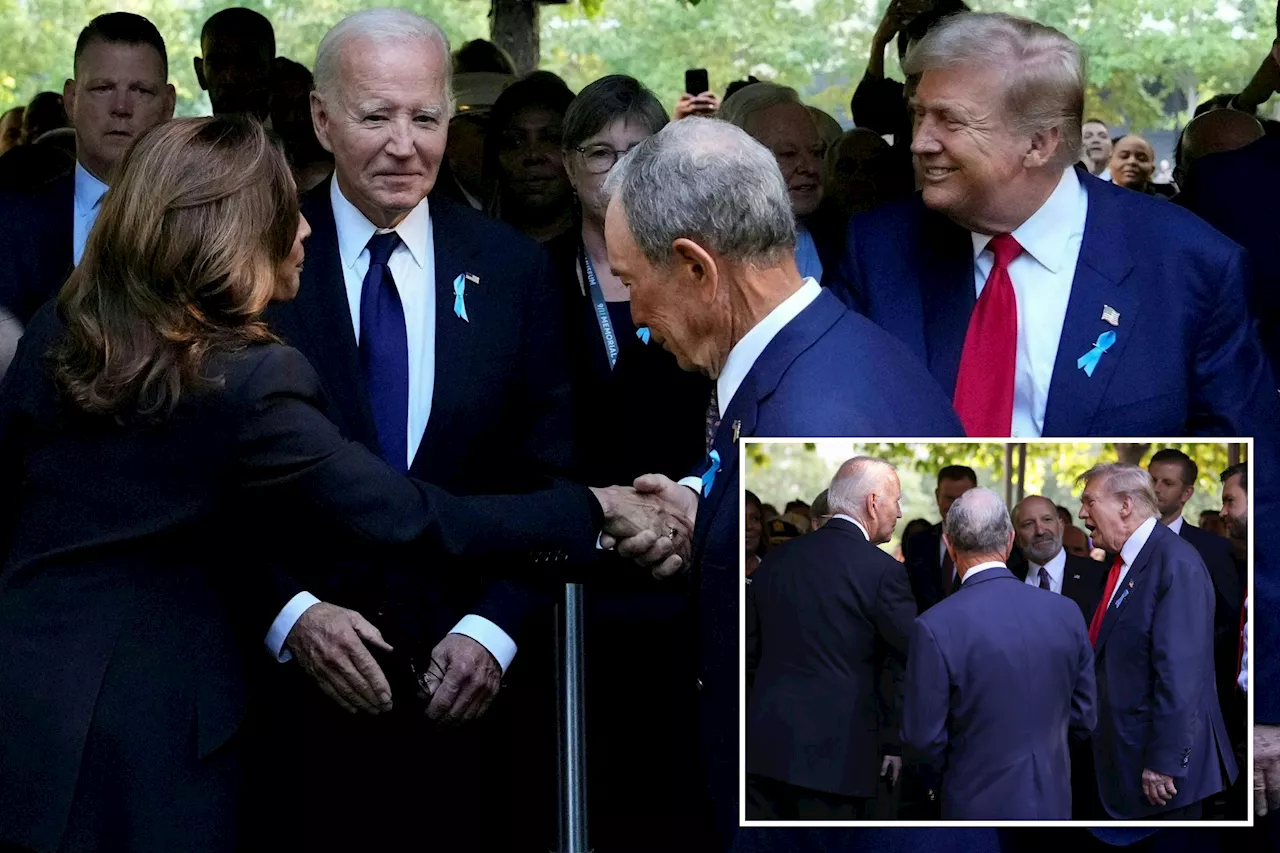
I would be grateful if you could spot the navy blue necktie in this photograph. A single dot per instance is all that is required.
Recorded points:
(384, 352)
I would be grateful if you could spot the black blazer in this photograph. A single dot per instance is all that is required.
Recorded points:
(35, 245)
(1083, 579)
(618, 437)
(501, 415)
(111, 530)
(924, 567)
(1228, 589)
(831, 611)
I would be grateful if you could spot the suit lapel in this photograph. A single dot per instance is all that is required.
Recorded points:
(325, 317)
(1099, 282)
(948, 296)
(456, 339)
(63, 195)
(1132, 582)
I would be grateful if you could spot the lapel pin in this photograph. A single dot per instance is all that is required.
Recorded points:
(737, 428)
(1075, 577)
(459, 295)
(1089, 361)
(1110, 315)
(1130, 584)
(643, 334)
(472, 278)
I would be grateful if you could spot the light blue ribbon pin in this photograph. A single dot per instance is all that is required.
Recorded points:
(709, 476)
(1121, 599)
(459, 300)
(1089, 361)
(643, 334)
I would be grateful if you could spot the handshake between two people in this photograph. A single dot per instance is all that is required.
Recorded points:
(650, 522)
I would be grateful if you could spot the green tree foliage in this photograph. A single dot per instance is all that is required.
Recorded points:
(1138, 50)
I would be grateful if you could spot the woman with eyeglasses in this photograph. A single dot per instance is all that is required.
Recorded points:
(636, 412)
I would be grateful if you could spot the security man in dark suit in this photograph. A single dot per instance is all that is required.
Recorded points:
(933, 575)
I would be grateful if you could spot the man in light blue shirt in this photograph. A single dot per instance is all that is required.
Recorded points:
(119, 92)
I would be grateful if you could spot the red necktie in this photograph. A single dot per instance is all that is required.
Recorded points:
(1244, 611)
(1113, 577)
(984, 385)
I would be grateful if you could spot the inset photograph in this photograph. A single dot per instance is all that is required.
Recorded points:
(1002, 633)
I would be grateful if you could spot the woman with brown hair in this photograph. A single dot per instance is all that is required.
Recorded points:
(148, 425)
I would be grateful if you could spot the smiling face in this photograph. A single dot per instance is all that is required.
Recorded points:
(386, 125)
(789, 131)
(119, 93)
(1039, 529)
(969, 160)
(1097, 143)
(1132, 163)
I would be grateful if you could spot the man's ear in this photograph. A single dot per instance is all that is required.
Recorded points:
(198, 63)
(320, 121)
(1044, 145)
(697, 267)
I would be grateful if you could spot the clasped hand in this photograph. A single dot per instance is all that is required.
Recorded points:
(650, 522)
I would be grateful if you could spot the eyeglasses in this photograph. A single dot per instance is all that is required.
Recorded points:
(598, 159)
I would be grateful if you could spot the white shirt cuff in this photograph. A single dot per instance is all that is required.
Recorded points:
(284, 623)
(489, 635)
(694, 483)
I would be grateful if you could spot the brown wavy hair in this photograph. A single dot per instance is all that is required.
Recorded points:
(181, 263)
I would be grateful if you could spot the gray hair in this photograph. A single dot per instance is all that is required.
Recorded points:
(855, 481)
(749, 100)
(978, 523)
(708, 181)
(1126, 481)
(378, 27)
(1045, 71)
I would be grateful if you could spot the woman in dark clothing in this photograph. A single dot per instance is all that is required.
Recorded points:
(524, 177)
(148, 423)
(636, 412)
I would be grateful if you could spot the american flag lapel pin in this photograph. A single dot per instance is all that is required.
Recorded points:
(1110, 315)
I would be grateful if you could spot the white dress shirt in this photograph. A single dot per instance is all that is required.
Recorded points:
(854, 522)
(1057, 569)
(413, 268)
(981, 567)
(742, 357)
(746, 351)
(88, 201)
(1176, 525)
(1129, 552)
(1042, 277)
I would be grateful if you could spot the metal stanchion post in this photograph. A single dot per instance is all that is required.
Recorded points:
(571, 724)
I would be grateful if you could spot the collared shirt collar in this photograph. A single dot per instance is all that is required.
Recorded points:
(1176, 525)
(88, 192)
(854, 522)
(1057, 568)
(982, 567)
(1129, 552)
(1043, 236)
(355, 229)
(745, 352)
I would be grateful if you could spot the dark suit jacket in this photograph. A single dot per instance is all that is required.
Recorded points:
(1228, 601)
(1000, 674)
(500, 412)
(35, 245)
(800, 386)
(1082, 579)
(924, 567)
(1158, 708)
(1236, 193)
(110, 530)
(831, 610)
(1186, 361)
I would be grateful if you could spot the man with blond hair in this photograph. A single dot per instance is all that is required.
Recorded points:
(1160, 748)
(1026, 284)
